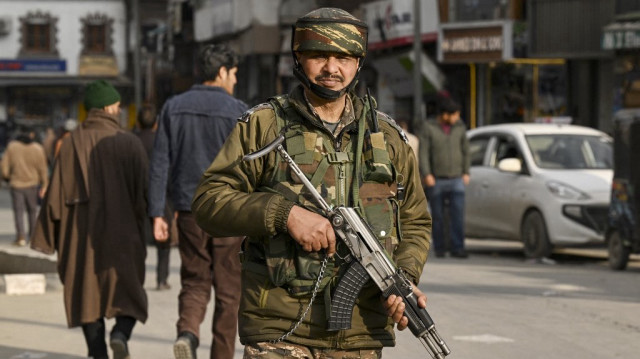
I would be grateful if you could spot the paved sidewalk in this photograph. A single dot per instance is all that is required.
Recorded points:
(34, 326)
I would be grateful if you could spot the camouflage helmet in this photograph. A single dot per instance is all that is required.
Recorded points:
(330, 30)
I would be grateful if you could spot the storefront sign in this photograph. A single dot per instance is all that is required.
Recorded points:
(475, 42)
(35, 65)
(98, 66)
(391, 22)
(621, 36)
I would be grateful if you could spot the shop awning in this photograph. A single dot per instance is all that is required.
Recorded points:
(398, 71)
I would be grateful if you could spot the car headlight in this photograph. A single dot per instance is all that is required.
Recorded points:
(565, 191)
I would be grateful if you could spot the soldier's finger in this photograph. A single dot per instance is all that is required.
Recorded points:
(398, 314)
(331, 239)
(403, 323)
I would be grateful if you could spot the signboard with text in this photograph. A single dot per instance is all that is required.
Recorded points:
(391, 22)
(621, 36)
(32, 65)
(475, 42)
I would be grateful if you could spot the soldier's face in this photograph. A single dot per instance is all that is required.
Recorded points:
(327, 69)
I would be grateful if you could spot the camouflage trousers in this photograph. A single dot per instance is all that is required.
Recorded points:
(283, 350)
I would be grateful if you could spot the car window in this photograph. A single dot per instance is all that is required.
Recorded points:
(477, 149)
(571, 151)
(506, 147)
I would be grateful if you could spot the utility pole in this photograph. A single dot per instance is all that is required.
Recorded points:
(417, 73)
(137, 77)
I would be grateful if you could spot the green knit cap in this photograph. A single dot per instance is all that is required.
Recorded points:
(99, 94)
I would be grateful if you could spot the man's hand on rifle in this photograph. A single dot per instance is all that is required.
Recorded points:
(395, 307)
(312, 231)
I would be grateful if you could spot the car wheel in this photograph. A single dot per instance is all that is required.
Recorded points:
(618, 252)
(534, 236)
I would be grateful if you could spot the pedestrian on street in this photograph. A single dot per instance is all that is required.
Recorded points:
(69, 125)
(93, 217)
(147, 126)
(191, 130)
(329, 133)
(24, 166)
(444, 163)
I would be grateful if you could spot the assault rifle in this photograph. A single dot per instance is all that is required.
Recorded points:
(367, 260)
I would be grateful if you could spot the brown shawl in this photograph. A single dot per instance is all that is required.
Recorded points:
(93, 216)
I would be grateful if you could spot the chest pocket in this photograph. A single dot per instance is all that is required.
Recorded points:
(378, 190)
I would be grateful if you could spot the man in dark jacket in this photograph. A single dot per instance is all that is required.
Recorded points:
(93, 216)
(192, 128)
(444, 164)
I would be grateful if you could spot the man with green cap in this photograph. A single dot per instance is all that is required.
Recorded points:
(93, 216)
(353, 161)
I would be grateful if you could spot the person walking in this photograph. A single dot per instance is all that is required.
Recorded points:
(147, 126)
(24, 166)
(191, 130)
(93, 216)
(444, 163)
(330, 135)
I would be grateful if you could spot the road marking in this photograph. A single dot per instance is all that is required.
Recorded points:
(568, 287)
(484, 338)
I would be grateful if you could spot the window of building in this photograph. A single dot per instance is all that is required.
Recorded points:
(96, 34)
(38, 32)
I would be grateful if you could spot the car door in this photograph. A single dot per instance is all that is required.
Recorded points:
(502, 189)
(475, 192)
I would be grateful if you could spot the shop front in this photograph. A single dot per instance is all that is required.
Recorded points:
(502, 87)
(623, 37)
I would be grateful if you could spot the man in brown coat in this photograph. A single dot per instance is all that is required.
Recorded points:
(93, 215)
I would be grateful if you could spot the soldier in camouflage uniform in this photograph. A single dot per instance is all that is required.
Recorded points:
(329, 133)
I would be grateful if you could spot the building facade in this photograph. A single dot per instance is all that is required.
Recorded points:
(49, 50)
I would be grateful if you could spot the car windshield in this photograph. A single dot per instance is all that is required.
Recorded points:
(571, 151)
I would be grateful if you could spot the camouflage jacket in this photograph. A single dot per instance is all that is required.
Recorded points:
(254, 199)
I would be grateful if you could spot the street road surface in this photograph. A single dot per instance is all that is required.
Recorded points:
(494, 305)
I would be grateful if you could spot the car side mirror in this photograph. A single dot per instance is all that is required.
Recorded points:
(512, 165)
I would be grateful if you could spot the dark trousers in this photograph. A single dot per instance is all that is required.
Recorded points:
(24, 199)
(162, 269)
(451, 190)
(94, 335)
(208, 261)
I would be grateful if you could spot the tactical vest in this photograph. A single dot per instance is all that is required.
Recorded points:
(329, 164)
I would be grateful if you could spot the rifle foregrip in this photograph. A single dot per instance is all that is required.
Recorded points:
(345, 295)
(419, 319)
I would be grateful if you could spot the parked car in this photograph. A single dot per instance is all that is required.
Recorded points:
(543, 184)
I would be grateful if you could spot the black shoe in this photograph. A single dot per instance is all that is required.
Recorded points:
(118, 344)
(185, 346)
(439, 254)
(460, 254)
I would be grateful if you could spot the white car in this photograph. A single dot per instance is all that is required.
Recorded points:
(543, 184)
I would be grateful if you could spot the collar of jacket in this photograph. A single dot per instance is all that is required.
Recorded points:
(296, 98)
(98, 117)
(201, 87)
